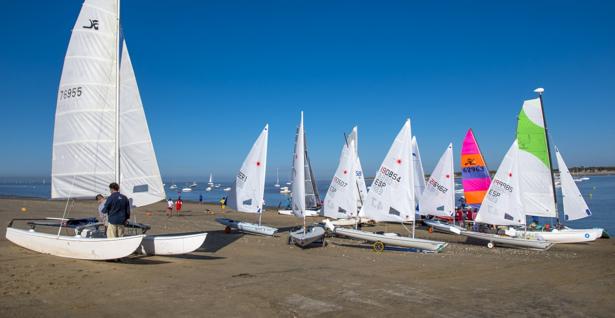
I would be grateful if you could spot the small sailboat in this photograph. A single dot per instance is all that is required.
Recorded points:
(98, 90)
(299, 198)
(187, 189)
(248, 190)
(173, 187)
(503, 206)
(438, 198)
(210, 183)
(474, 172)
(277, 178)
(537, 180)
(193, 185)
(310, 190)
(391, 198)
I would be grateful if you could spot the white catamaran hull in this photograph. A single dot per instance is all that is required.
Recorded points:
(248, 227)
(395, 240)
(596, 232)
(171, 244)
(351, 221)
(75, 247)
(494, 239)
(303, 239)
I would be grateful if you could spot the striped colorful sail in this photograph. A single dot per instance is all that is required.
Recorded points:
(474, 172)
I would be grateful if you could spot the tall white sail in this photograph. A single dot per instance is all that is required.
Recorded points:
(535, 178)
(139, 174)
(361, 188)
(298, 182)
(502, 204)
(419, 173)
(84, 148)
(312, 197)
(248, 190)
(575, 206)
(439, 196)
(391, 197)
(341, 199)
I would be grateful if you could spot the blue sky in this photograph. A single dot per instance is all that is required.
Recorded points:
(212, 74)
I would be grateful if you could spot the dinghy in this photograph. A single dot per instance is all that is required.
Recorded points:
(171, 244)
(100, 134)
(341, 200)
(311, 196)
(503, 206)
(248, 189)
(537, 180)
(391, 198)
(299, 199)
(381, 240)
(438, 198)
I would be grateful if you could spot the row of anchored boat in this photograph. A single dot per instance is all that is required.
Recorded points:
(98, 90)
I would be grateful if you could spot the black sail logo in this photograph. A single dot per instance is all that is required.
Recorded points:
(93, 25)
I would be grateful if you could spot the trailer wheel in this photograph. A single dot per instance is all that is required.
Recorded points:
(378, 246)
(490, 245)
(430, 229)
(227, 230)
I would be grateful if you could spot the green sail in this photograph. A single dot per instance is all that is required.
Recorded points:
(531, 135)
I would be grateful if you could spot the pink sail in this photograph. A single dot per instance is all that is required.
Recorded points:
(474, 172)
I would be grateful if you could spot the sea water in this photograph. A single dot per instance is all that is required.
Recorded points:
(599, 192)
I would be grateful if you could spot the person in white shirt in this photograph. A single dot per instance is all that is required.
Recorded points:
(170, 207)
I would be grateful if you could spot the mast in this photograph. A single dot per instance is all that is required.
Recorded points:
(117, 97)
(539, 91)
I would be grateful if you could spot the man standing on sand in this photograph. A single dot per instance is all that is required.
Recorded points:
(117, 209)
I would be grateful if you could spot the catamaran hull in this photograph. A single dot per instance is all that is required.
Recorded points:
(75, 246)
(310, 236)
(596, 232)
(443, 227)
(494, 239)
(428, 245)
(307, 212)
(248, 227)
(171, 244)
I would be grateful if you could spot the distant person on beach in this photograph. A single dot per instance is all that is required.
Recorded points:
(101, 205)
(201, 198)
(170, 207)
(178, 205)
(117, 209)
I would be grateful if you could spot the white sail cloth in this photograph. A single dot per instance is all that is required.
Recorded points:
(575, 206)
(502, 204)
(439, 195)
(341, 199)
(361, 188)
(298, 182)
(391, 197)
(85, 143)
(419, 173)
(248, 190)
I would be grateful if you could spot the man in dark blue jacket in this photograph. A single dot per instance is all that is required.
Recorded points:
(117, 208)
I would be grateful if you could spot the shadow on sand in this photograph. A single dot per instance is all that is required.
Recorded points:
(217, 240)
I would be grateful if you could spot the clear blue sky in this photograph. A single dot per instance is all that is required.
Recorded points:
(212, 74)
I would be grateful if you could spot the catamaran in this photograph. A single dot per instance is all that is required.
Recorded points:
(391, 199)
(248, 190)
(100, 136)
(299, 199)
(311, 196)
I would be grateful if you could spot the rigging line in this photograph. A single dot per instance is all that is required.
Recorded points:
(70, 194)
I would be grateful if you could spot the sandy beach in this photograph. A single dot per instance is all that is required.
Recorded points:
(245, 275)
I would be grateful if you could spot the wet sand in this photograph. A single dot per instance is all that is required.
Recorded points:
(246, 275)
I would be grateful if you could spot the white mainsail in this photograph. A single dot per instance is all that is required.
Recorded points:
(341, 199)
(502, 204)
(211, 180)
(535, 178)
(84, 148)
(361, 188)
(391, 197)
(312, 197)
(139, 174)
(248, 190)
(298, 182)
(575, 206)
(419, 173)
(439, 196)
